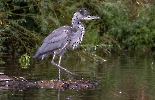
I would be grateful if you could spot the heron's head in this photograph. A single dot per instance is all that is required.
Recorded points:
(82, 14)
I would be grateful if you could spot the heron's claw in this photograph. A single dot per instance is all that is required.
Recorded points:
(74, 74)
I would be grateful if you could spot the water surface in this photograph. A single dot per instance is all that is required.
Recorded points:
(122, 76)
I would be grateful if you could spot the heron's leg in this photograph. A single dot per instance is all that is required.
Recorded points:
(60, 66)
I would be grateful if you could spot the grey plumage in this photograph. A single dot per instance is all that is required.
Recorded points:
(56, 42)
(64, 37)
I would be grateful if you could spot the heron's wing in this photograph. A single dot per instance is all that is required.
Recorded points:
(58, 34)
(54, 41)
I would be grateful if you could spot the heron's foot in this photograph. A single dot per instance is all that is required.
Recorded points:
(62, 68)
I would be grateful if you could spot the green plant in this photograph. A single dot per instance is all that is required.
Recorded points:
(129, 24)
(17, 33)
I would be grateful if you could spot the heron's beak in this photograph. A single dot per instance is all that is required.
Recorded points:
(91, 17)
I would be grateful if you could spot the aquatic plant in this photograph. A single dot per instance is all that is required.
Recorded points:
(24, 61)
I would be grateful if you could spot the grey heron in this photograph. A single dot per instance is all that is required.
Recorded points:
(64, 37)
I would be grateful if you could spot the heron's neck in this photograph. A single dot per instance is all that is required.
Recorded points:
(78, 32)
(77, 25)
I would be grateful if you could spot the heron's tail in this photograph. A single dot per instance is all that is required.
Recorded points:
(37, 55)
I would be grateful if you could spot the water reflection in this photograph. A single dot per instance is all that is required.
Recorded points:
(122, 76)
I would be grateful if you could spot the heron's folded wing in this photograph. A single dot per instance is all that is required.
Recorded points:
(55, 40)
(58, 34)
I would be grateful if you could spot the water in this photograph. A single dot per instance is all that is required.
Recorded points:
(124, 76)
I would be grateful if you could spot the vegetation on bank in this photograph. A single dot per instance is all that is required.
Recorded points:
(124, 24)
